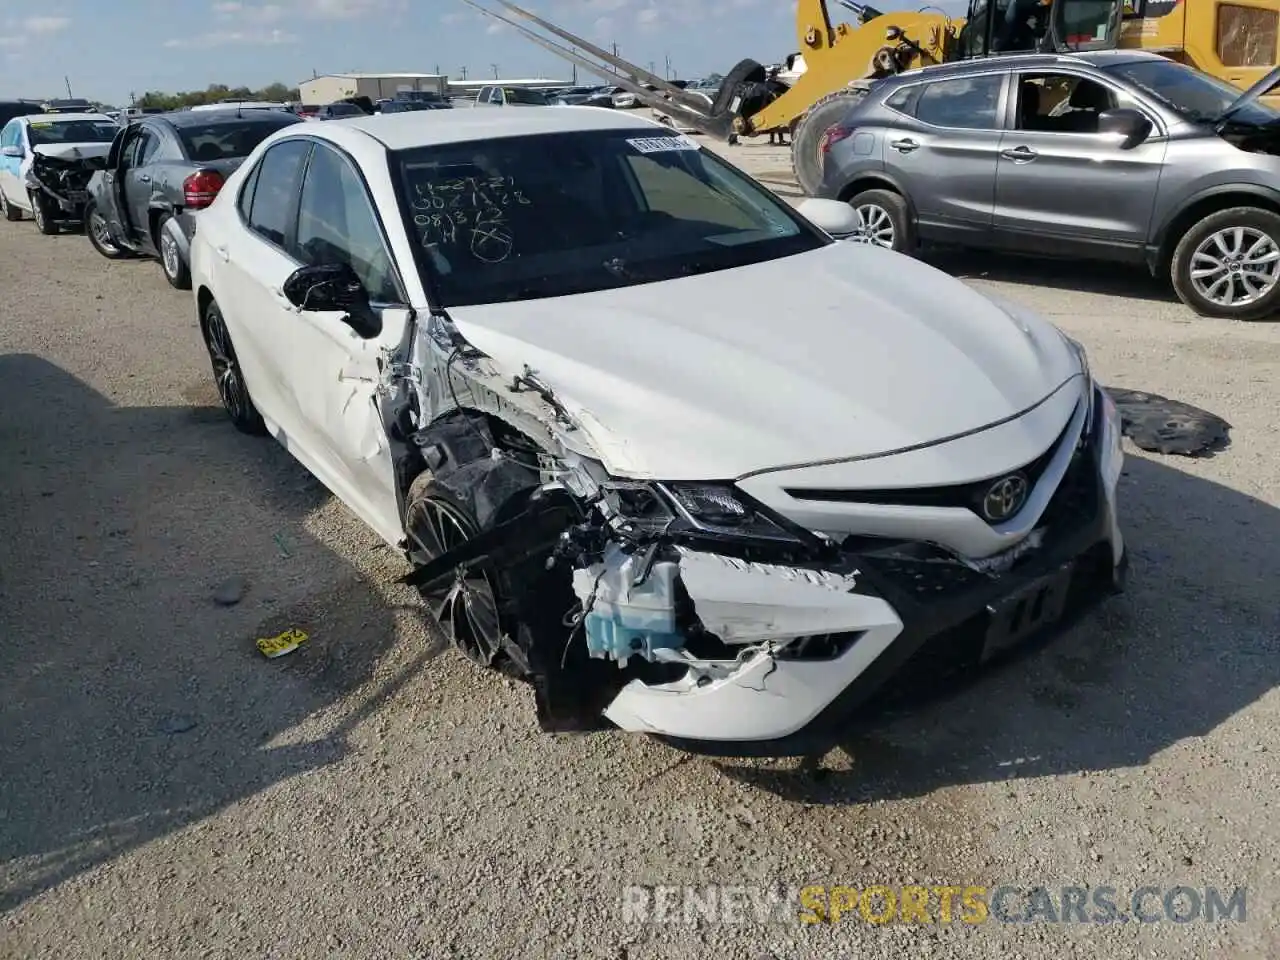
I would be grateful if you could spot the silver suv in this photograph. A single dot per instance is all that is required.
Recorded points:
(1117, 155)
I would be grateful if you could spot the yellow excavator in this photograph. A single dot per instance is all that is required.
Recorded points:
(1234, 40)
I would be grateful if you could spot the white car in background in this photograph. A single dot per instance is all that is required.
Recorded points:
(67, 141)
(554, 357)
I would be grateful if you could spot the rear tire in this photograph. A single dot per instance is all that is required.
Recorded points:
(40, 210)
(806, 138)
(885, 220)
(95, 228)
(174, 266)
(228, 378)
(1228, 265)
(11, 213)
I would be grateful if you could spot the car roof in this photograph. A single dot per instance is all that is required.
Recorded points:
(419, 128)
(1023, 61)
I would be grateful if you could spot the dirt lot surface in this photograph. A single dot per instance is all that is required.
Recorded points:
(165, 792)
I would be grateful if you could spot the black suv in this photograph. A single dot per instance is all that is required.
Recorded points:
(17, 108)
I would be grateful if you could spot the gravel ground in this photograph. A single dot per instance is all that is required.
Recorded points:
(166, 792)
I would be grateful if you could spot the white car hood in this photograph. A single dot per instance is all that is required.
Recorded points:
(72, 151)
(843, 352)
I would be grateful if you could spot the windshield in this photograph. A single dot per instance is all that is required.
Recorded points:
(344, 110)
(42, 132)
(229, 139)
(544, 216)
(1194, 95)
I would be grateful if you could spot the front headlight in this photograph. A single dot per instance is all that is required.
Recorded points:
(710, 509)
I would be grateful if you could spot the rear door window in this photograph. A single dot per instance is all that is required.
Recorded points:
(968, 103)
(274, 204)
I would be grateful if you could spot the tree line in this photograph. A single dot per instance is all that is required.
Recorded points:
(212, 94)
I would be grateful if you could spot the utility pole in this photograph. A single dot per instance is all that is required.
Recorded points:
(67, 81)
(574, 66)
(668, 74)
(652, 66)
(463, 71)
(495, 70)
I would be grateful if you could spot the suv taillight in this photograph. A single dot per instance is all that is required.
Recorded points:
(833, 136)
(199, 189)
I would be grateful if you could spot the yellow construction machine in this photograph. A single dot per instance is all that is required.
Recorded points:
(1234, 40)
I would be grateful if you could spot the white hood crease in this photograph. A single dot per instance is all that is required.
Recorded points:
(72, 151)
(847, 351)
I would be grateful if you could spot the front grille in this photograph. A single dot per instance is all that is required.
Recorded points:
(934, 576)
(944, 660)
(968, 496)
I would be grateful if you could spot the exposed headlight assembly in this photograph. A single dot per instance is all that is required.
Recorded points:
(714, 510)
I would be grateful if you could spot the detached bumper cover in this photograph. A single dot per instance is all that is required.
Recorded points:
(902, 623)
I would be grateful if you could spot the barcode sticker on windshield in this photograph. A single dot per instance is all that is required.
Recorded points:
(662, 144)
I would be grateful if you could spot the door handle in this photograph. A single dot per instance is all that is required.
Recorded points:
(904, 146)
(144, 178)
(223, 252)
(1019, 154)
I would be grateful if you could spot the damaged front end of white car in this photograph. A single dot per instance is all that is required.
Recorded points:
(693, 611)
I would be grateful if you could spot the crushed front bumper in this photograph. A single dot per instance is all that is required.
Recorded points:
(900, 624)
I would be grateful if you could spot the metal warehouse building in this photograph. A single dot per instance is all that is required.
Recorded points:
(375, 86)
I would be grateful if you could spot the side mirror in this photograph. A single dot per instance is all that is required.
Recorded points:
(11, 152)
(836, 218)
(1131, 126)
(332, 287)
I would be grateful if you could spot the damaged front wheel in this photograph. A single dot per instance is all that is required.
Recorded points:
(467, 606)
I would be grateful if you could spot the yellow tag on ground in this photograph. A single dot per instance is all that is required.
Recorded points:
(278, 646)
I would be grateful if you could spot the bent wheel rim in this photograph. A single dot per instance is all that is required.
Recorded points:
(169, 254)
(875, 226)
(468, 607)
(1236, 266)
(226, 371)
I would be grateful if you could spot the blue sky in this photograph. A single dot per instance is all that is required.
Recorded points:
(109, 49)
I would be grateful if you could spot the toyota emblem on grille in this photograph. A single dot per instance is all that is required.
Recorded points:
(1004, 498)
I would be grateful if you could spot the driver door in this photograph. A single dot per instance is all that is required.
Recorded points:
(331, 371)
(112, 205)
(136, 187)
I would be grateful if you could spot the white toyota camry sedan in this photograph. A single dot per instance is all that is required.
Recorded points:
(650, 439)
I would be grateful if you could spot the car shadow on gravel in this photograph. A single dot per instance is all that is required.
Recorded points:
(1194, 640)
(133, 704)
(1079, 276)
